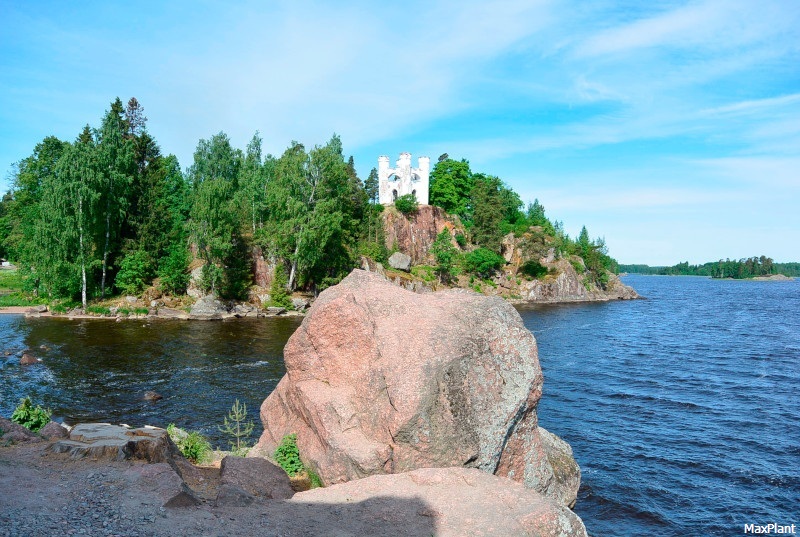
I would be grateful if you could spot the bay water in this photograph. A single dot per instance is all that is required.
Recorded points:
(682, 409)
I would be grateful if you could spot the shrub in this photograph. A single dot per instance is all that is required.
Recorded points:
(376, 251)
(288, 456)
(484, 262)
(191, 444)
(424, 272)
(141, 311)
(534, 269)
(578, 266)
(134, 272)
(30, 417)
(98, 310)
(406, 204)
(461, 240)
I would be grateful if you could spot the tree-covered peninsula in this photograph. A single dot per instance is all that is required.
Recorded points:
(110, 213)
(752, 267)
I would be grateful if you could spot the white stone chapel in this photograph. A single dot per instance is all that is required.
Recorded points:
(403, 179)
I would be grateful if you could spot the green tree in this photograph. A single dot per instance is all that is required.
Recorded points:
(213, 219)
(252, 184)
(173, 269)
(451, 184)
(115, 165)
(446, 255)
(371, 186)
(66, 234)
(484, 262)
(238, 427)
(313, 204)
(487, 212)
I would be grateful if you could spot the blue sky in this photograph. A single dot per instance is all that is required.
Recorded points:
(670, 128)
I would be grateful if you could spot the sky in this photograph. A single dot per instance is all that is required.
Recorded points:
(671, 129)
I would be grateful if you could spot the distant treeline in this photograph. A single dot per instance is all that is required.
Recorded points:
(728, 268)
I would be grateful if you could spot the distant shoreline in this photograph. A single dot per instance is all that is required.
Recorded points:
(770, 278)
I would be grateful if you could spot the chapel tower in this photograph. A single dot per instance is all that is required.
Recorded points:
(403, 179)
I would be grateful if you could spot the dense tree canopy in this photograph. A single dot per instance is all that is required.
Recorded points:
(109, 212)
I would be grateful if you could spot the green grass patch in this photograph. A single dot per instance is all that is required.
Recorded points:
(98, 310)
(424, 272)
(10, 280)
(19, 299)
(141, 311)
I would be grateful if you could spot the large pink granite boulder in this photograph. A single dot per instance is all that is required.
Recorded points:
(380, 380)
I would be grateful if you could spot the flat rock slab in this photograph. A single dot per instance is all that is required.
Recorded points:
(170, 313)
(114, 442)
(436, 501)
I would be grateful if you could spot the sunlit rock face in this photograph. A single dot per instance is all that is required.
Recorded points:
(381, 380)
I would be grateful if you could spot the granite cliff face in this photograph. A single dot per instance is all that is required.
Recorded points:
(414, 234)
(380, 380)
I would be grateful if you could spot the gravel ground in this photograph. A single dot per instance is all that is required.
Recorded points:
(48, 494)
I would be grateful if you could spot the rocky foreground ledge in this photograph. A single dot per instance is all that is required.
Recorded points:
(103, 479)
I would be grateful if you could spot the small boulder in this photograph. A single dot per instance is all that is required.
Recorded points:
(164, 482)
(275, 310)
(151, 395)
(300, 304)
(400, 261)
(208, 308)
(171, 313)
(15, 433)
(54, 431)
(565, 468)
(28, 359)
(233, 496)
(256, 476)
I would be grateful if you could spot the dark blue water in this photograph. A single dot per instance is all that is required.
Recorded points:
(99, 370)
(683, 410)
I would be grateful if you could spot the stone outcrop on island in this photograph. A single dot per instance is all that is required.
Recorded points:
(381, 380)
(414, 234)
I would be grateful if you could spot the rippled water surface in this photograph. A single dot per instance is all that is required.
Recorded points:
(682, 410)
(99, 370)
